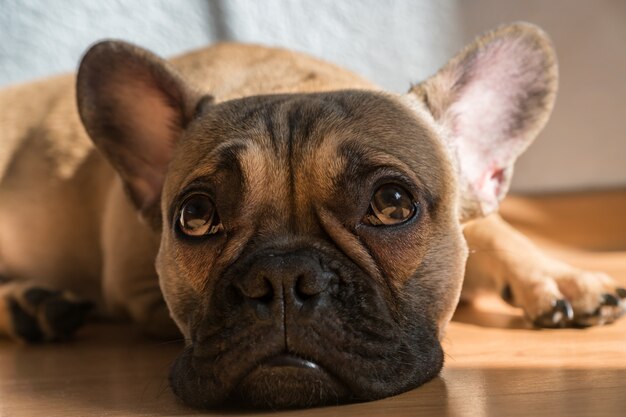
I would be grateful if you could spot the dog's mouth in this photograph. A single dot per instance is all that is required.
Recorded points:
(286, 359)
(289, 381)
(282, 380)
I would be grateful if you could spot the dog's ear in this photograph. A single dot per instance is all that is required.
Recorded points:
(134, 107)
(492, 99)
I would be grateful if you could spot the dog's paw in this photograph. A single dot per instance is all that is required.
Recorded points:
(41, 315)
(569, 298)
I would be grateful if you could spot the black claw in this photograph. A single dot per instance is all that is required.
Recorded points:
(565, 307)
(609, 300)
(561, 315)
(25, 325)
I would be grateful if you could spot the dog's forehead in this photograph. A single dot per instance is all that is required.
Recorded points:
(314, 136)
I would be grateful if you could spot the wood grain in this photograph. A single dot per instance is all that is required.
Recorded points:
(495, 364)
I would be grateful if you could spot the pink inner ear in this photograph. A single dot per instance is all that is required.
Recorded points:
(493, 181)
(487, 117)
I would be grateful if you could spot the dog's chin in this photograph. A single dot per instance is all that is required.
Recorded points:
(278, 382)
(286, 381)
(289, 382)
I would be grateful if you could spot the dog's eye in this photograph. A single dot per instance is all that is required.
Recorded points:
(198, 216)
(391, 204)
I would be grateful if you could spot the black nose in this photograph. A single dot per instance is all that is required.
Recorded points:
(291, 278)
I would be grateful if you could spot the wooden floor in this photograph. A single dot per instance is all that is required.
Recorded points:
(495, 364)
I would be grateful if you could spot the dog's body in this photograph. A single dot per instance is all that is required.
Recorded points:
(291, 266)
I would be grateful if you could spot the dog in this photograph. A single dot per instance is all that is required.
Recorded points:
(305, 231)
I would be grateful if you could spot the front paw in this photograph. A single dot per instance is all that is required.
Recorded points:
(569, 297)
(41, 315)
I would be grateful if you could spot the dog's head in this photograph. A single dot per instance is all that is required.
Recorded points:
(311, 244)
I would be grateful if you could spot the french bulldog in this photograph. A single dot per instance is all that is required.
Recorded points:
(305, 231)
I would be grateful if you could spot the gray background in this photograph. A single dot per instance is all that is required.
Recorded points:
(392, 42)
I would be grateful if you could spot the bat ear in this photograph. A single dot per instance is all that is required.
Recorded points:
(134, 106)
(492, 99)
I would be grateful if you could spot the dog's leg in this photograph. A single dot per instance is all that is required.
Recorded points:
(34, 314)
(551, 293)
(130, 282)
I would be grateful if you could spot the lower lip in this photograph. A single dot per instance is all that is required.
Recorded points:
(289, 381)
(291, 361)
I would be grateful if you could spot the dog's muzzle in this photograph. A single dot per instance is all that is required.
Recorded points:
(294, 329)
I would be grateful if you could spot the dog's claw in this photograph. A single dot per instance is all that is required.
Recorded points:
(39, 314)
(561, 315)
(572, 298)
(609, 300)
(607, 312)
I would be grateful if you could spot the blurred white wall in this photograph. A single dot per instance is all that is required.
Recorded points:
(43, 37)
(392, 42)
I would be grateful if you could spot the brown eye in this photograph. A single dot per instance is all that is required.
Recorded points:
(198, 216)
(391, 204)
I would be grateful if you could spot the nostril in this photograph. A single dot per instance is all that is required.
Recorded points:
(310, 285)
(267, 295)
(259, 289)
(303, 290)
